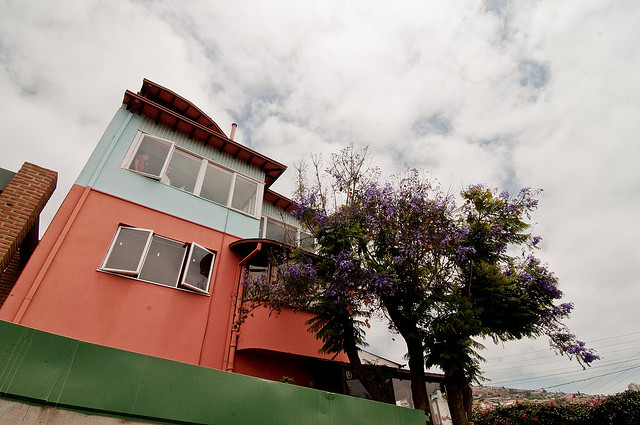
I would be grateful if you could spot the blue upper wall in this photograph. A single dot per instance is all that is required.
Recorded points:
(103, 171)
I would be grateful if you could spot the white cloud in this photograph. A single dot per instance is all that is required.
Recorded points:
(541, 94)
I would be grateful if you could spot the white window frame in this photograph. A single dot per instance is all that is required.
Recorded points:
(130, 157)
(143, 254)
(188, 264)
(180, 281)
(298, 230)
(232, 192)
(146, 258)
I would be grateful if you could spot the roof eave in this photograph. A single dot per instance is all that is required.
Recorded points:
(211, 135)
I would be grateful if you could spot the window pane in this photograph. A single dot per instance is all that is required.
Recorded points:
(199, 267)
(307, 241)
(163, 261)
(280, 232)
(216, 185)
(256, 272)
(244, 195)
(126, 250)
(150, 156)
(182, 171)
(275, 231)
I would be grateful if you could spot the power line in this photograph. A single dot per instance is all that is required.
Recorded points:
(623, 378)
(549, 361)
(524, 363)
(612, 337)
(556, 360)
(493, 365)
(540, 377)
(555, 372)
(586, 379)
(628, 360)
(549, 349)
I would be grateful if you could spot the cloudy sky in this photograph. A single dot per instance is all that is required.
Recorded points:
(540, 93)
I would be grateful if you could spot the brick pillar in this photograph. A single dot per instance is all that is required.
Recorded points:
(20, 205)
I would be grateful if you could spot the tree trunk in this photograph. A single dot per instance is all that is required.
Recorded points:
(415, 349)
(369, 381)
(456, 384)
(418, 382)
(467, 398)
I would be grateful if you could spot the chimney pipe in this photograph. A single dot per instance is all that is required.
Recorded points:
(233, 130)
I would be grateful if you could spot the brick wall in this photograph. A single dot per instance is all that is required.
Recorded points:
(20, 205)
(9, 277)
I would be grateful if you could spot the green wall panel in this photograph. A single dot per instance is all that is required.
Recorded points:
(53, 370)
(33, 363)
(103, 378)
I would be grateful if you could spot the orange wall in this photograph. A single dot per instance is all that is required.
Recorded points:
(305, 371)
(75, 300)
(71, 298)
(285, 332)
(274, 366)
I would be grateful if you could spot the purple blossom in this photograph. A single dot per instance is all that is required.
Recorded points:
(513, 208)
(563, 310)
(535, 241)
(464, 252)
(476, 187)
(550, 287)
(565, 342)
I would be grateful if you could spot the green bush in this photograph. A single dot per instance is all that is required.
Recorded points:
(621, 409)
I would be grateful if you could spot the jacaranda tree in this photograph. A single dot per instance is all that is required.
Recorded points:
(443, 275)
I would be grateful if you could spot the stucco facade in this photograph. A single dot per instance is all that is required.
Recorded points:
(71, 289)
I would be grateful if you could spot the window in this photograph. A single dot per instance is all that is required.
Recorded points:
(161, 160)
(163, 261)
(244, 195)
(151, 156)
(217, 184)
(127, 251)
(287, 234)
(307, 241)
(183, 171)
(198, 268)
(143, 255)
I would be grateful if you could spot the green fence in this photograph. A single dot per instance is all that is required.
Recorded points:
(51, 370)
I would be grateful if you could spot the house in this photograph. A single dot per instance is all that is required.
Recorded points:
(147, 252)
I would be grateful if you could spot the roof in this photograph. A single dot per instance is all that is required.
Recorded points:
(368, 357)
(171, 109)
(278, 200)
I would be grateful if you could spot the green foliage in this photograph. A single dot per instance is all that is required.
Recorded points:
(621, 409)
(443, 275)
(287, 380)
